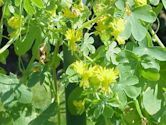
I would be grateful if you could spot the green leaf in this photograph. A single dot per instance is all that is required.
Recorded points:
(154, 2)
(126, 72)
(150, 102)
(40, 97)
(150, 63)
(122, 98)
(11, 9)
(25, 95)
(38, 3)
(87, 45)
(21, 47)
(2, 70)
(150, 75)
(8, 97)
(108, 111)
(132, 91)
(42, 119)
(163, 118)
(155, 52)
(37, 44)
(72, 75)
(21, 121)
(3, 56)
(112, 53)
(127, 31)
(101, 121)
(130, 80)
(17, 2)
(147, 41)
(132, 116)
(120, 4)
(8, 79)
(145, 13)
(28, 7)
(164, 3)
(98, 111)
(138, 31)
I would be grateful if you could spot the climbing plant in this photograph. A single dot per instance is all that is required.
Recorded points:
(104, 54)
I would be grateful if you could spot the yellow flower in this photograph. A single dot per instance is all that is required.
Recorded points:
(101, 24)
(84, 83)
(128, 10)
(100, 27)
(99, 8)
(95, 80)
(70, 14)
(15, 22)
(118, 26)
(120, 40)
(73, 36)
(79, 105)
(107, 77)
(95, 76)
(1, 3)
(141, 2)
(80, 67)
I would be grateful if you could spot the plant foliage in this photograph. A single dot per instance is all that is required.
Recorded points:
(118, 69)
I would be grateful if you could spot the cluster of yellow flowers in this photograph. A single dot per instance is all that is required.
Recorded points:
(74, 12)
(95, 76)
(73, 36)
(141, 2)
(118, 26)
(15, 22)
(101, 24)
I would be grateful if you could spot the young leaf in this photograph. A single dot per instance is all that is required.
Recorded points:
(157, 53)
(38, 3)
(150, 63)
(87, 46)
(17, 2)
(150, 75)
(138, 31)
(145, 13)
(132, 91)
(28, 7)
(150, 102)
(164, 3)
(154, 2)
(112, 53)
(21, 47)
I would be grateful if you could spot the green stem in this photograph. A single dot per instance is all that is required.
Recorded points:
(57, 99)
(2, 36)
(6, 46)
(157, 38)
(1, 22)
(138, 108)
(55, 65)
